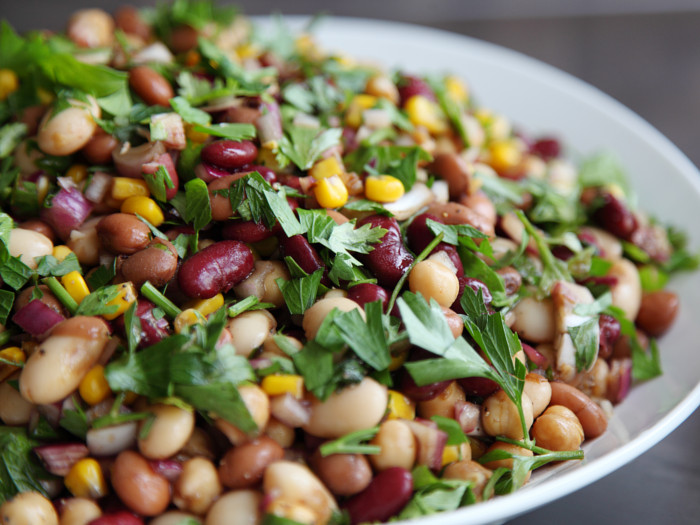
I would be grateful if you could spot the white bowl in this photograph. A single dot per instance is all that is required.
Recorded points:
(541, 99)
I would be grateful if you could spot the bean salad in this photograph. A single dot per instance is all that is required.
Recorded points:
(245, 280)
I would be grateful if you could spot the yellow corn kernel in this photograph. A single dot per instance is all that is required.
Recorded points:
(75, 285)
(400, 407)
(125, 187)
(383, 188)
(13, 354)
(382, 86)
(247, 51)
(504, 155)
(86, 480)
(9, 83)
(192, 58)
(359, 103)
(398, 359)
(126, 296)
(195, 136)
(326, 168)
(186, 318)
(452, 453)
(145, 207)
(331, 192)
(61, 251)
(424, 112)
(278, 384)
(207, 306)
(94, 387)
(77, 172)
(456, 89)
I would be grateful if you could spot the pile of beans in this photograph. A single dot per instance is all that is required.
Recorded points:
(179, 464)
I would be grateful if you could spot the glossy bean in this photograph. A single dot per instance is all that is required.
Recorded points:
(452, 168)
(478, 386)
(79, 511)
(28, 508)
(352, 408)
(215, 269)
(197, 487)
(314, 316)
(262, 283)
(385, 496)
(343, 474)
(151, 86)
(434, 281)
(455, 213)
(156, 263)
(389, 259)
(243, 466)
(397, 444)
(91, 28)
(168, 431)
(246, 231)
(28, 244)
(229, 154)
(56, 368)
(128, 19)
(558, 428)
(419, 234)
(99, 148)
(368, 293)
(303, 253)
(123, 233)
(239, 507)
(183, 38)
(250, 329)
(138, 486)
(66, 132)
(657, 312)
(500, 416)
(590, 415)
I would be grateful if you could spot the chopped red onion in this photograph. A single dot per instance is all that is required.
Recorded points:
(536, 357)
(69, 209)
(289, 410)
(129, 161)
(58, 459)
(168, 468)
(431, 442)
(468, 415)
(99, 185)
(37, 318)
(269, 125)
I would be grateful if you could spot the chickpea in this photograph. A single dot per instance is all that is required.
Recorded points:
(169, 431)
(507, 463)
(443, 404)
(138, 486)
(243, 466)
(79, 511)
(197, 486)
(397, 444)
(28, 508)
(434, 281)
(250, 329)
(343, 474)
(91, 28)
(500, 417)
(239, 507)
(314, 316)
(558, 429)
(469, 470)
(258, 404)
(539, 391)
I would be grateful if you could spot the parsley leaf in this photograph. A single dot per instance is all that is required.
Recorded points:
(6, 300)
(586, 340)
(300, 293)
(233, 131)
(20, 470)
(645, 366)
(433, 494)
(10, 136)
(159, 182)
(188, 113)
(303, 145)
(352, 443)
(49, 265)
(198, 207)
(366, 338)
(96, 302)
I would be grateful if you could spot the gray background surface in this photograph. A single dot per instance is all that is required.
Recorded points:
(646, 54)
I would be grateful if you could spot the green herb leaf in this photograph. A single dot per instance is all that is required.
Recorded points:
(49, 265)
(10, 136)
(455, 434)
(159, 182)
(74, 421)
(132, 328)
(304, 145)
(188, 113)
(603, 169)
(100, 277)
(198, 209)
(20, 470)
(366, 338)
(645, 365)
(250, 303)
(352, 443)
(96, 302)
(6, 300)
(300, 293)
(586, 339)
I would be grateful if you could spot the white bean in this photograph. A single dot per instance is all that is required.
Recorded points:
(197, 486)
(168, 433)
(314, 316)
(28, 508)
(250, 329)
(627, 292)
(533, 320)
(27, 244)
(66, 132)
(239, 507)
(91, 28)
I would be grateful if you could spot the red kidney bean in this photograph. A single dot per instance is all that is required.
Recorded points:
(614, 217)
(152, 329)
(419, 236)
(121, 517)
(215, 269)
(385, 496)
(478, 386)
(166, 161)
(305, 255)
(410, 85)
(247, 231)
(389, 260)
(476, 285)
(229, 154)
(421, 393)
(609, 334)
(546, 148)
(368, 293)
(266, 173)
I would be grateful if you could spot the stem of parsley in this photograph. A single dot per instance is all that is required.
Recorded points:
(352, 443)
(61, 294)
(151, 293)
(530, 445)
(421, 256)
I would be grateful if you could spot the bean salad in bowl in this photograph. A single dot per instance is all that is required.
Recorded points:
(247, 280)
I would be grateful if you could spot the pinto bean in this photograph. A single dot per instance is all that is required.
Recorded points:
(99, 148)
(452, 168)
(39, 227)
(243, 466)
(386, 495)
(455, 213)
(243, 114)
(657, 312)
(229, 154)
(123, 233)
(128, 19)
(138, 486)
(215, 269)
(558, 429)
(591, 416)
(220, 204)
(28, 508)
(389, 260)
(156, 263)
(151, 86)
(343, 474)
(56, 368)
(481, 204)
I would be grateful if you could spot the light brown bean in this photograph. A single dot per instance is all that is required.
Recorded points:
(79, 511)
(282, 434)
(156, 263)
(443, 404)
(481, 204)
(250, 329)
(28, 244)
(168, 432)
(538, 390)
(56, 368)
(434, 281)
(28, 508)
(220, 203)
(500, 417)
(39, 227)
(657, 312)
(343, 474)
(453, 169)
(591, 416)
(468, 470)
(197, 487)
(398, 446)
(558, 429)
(128, 19)
(66, 132)
(138, 486)
(151, 86)
(238, 507)
(243, 466)
(455, 213)
(533, 319)
(314, 316)
(91, 28)
(183, 38)
(454, 321)
(123, 233)
(99, 148)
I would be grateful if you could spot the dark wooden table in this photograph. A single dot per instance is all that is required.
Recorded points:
(651, 63)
